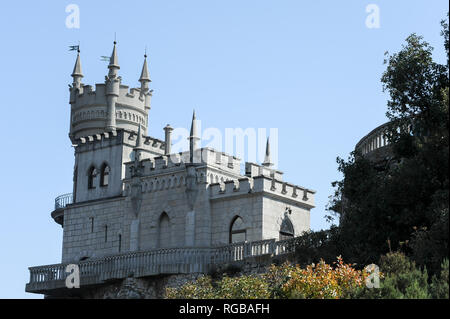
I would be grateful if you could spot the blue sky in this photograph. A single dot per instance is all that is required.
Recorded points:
(309, 68)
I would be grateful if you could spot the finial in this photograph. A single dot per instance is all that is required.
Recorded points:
(113, 60)
(77, 68)
(144, 73)
(194, 142)
(194, 125)
(267, 162)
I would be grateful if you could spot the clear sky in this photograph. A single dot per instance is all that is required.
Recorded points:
(309, 68)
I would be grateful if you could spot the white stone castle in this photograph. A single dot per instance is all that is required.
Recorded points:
(132, 195)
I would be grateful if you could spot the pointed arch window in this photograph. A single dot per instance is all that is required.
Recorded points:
(92, 177)
(286, 229)
(104, 175)
(164, 231)
(238, 233)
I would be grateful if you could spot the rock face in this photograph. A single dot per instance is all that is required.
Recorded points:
(138, 288)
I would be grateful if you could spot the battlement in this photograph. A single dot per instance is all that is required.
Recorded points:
(252, 170)
(227, 163)
(262, 184)
(165, 163)
(124, 137)
(89, 109)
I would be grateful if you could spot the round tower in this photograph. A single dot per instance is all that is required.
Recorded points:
(111, 106)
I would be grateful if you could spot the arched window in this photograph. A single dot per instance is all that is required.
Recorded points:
(92, 178)
(286, 229)
(237, 230)
(164, 233)
(104, 175)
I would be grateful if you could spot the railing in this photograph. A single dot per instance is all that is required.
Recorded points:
(374, 140)
(154, 262)
(63, 200)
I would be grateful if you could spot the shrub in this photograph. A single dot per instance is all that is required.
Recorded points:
(439, 285)
(317, 281)
(322, 281)
(402, 280)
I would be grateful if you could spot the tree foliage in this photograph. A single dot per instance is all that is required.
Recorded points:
(316, 281)
(405, 204)
(400, 278)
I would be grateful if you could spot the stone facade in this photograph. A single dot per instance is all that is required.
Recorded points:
(131, 194)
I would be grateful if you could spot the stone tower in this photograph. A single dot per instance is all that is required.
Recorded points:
(111, 115)
(139, 211)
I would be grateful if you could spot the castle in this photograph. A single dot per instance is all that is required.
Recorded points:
(136, 203)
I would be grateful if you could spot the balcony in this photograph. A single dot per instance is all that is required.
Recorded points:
(51, 279)
(373, 141)
(60, 203)
(63, 200)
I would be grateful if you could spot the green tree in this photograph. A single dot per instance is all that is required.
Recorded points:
(401, 280)
(405, 203)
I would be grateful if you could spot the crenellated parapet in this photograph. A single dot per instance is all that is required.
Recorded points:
(150, 184)
(120, 137)
(89, 110)
(159, 165)
(222, 163)
(263, 185)
(110, 106)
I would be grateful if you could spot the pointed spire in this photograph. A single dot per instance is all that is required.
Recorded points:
(139, 143)
(194, 126)
(267, 162)
(144, 74)
(77, 68)
(113, 63)
(194, 139)
(113, 60)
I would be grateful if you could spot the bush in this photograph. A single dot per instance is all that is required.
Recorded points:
(402, 280)
(316, 281)
(322, 281)
(439, 285)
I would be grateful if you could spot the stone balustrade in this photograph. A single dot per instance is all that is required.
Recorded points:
(374, 140)
(153, 262)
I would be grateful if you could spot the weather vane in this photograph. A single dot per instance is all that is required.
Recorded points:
(105, 57)
(75, 47)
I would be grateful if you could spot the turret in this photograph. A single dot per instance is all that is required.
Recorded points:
(168, 139)
(138, 154)
(76, 87)
(109, 106)
(145, 93)
(112, 82)
(145, 78)
(113, 63)
(77, 74)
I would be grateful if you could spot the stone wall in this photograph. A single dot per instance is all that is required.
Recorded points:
(155, 287)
